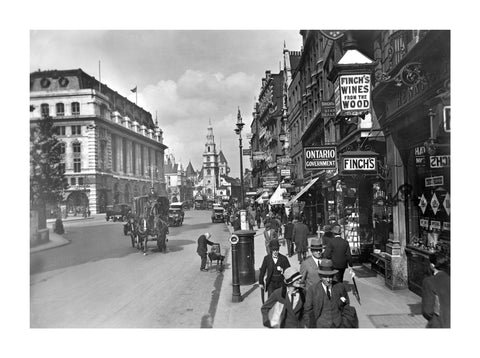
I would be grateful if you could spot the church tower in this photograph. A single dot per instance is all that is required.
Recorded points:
(210, 165)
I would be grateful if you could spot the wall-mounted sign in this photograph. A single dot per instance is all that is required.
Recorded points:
(424, 223)
(439, 161)
(435, 225)
(327, 109)
(434, 181)
(247, 151)
(323, 157)
(352, 94)
(285, 172)
(358, 163)
(420, 156)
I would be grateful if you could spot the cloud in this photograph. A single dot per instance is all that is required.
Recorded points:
(184, 108)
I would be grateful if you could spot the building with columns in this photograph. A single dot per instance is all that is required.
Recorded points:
(112, 151)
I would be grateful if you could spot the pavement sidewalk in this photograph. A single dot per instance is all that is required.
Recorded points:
(380, 307)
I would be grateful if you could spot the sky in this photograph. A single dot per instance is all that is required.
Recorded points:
(185, 78)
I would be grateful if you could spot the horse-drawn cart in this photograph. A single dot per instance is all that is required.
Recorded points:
(148, 222)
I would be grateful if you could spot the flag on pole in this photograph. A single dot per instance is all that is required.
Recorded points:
(134, 90)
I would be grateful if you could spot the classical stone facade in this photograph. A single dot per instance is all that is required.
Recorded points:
(112, 151)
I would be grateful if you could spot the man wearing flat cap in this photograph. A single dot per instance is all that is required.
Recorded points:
(325, 300)
(309, 267)
(273, 266)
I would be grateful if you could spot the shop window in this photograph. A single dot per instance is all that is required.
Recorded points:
(77, 165)
(45, 110)
(60, 109)
(75, 108)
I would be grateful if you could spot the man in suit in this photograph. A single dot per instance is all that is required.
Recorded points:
(436, 295)
(338, 250)
(292, 297)
(288, 237)
(299, 236)
(202, 249)
(325, 300)
(309, 267)
(271, 272)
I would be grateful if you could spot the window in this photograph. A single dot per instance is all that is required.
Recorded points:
(60, 130)
(62, 148)
(45, 110)
(77, 165)
(61, 168)
(60, 107)
(209, 171)
(77, 147)
(208, 159)
(75, 108)
(73, 181)
(76, 130)
(80, 181)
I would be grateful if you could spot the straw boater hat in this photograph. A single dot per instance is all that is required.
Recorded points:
(291, 275)
(315, 244)
(326, 268)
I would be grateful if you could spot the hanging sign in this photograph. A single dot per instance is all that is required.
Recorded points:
(323, 157)
(327, 109)
(352, 94)
(358, 163)
(439, 161)
(285, 172)
(435, 225)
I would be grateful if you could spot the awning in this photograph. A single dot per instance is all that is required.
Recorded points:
(263, 197)
(303, 191)
(277, 197)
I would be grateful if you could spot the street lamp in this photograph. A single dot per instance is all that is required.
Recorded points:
(238, 131)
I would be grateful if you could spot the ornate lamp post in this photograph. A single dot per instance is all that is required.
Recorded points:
(238, 131)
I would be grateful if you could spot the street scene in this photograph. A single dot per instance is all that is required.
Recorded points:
(306, 185)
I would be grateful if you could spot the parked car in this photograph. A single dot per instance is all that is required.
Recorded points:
(176, 214)
(218, 214)
(117, 212)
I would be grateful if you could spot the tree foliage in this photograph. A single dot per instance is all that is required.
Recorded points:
(46, 175)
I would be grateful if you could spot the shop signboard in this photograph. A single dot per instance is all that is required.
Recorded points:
(328, 109)
(251, 193)
(359, 163)
(285, 173)
(439, 161)
(434, 181)
(352, 94)
(247, 151)
(322, 157)
(420, 156)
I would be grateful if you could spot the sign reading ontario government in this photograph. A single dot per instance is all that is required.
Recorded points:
(323, 157)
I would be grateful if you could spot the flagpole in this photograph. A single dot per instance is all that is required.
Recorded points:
(99, 78)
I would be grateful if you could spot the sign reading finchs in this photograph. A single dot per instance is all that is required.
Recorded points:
(352, 94)
(323, 157)
(358, 162)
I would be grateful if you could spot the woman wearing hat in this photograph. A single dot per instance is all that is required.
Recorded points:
(325, 300)
(309, 267)
(291, 298)
(271, 276)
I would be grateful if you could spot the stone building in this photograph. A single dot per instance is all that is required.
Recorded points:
(112, 151)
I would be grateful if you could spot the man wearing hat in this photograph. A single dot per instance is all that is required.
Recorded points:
(271, 272)
(309, 267)
(292, 297)
(299, 236)
(202, 249)
(327, 235)
(338, 250)
(325, 300)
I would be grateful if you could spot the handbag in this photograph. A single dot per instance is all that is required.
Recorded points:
(349, 317)
(274, 315)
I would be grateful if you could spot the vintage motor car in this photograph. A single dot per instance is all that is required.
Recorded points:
(176, 214)
(218, 214)
(117, 212)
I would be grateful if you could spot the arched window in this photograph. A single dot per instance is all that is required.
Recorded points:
(60, 109)
(45, 110)
(75, 108)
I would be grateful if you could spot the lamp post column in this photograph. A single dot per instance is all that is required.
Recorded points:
(242, 203)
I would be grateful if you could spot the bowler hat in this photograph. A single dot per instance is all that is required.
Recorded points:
(326, 268)
(274, 245)
(315, 244)
(291, 275)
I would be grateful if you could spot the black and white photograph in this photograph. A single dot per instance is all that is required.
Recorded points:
(239, 176)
